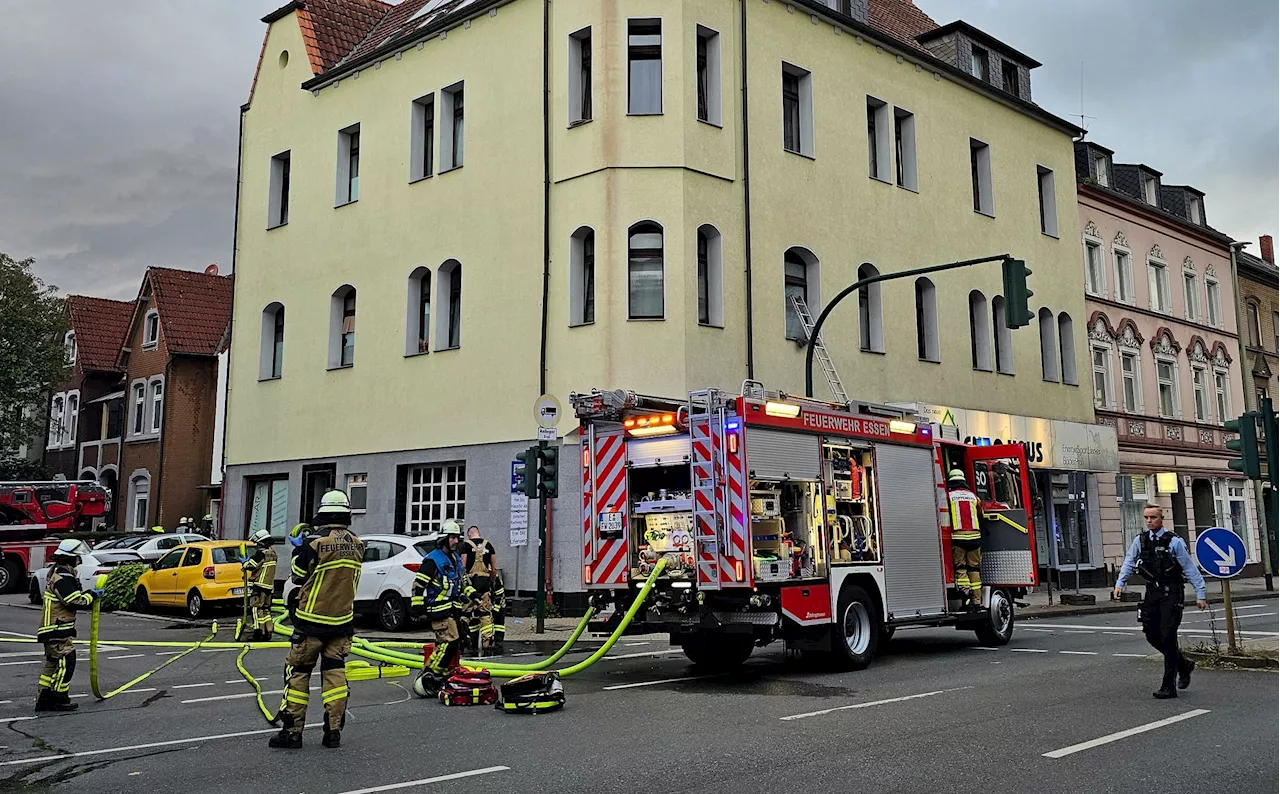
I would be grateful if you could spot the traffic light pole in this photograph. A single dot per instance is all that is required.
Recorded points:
(1271, 498)
(540, 607)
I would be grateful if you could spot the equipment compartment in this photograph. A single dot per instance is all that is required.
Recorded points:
(661, 521)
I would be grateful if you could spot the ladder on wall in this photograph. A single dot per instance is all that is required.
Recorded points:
(820, 351)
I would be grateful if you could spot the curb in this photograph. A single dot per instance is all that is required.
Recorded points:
(1035, 613)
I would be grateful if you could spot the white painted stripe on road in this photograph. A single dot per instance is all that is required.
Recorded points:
(168, 653)
(633, 644)
(980, 648)
(426, 780)
(1131, 655)
(641, 653)
(28, 661)
(193, 686)
(872, 703)
(1045, 631)
(1118, 633)
(526, 653)
(5, 702)
(1238, 617)
(218, 650)
(15, 719)
(1082, 632)
(12, 654)
(655, 683)
(241, 680)
(239, 695)
(1139, 628)
(1028, 650)
(130, 656)
(18, 634)
(39, 759)
(1081, 653)
(1112, 737)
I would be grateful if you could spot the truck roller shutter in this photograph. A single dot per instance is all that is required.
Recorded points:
(775, 455)
(662, 451)
(909, 528)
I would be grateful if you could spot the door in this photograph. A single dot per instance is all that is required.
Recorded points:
(163, 577)
(315, 481)
(999, 476)
(909, 533)
(189, 575)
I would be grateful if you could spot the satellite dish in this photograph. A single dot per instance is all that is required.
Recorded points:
(211, 270)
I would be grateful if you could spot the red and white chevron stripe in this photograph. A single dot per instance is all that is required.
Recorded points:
(735, 559)
(706, 496)
(605, 559)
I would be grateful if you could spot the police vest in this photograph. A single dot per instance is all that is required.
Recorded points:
(964, 515)
(1156, 562)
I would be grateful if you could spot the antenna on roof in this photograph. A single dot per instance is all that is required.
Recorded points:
(1081, 114)
(211, 270)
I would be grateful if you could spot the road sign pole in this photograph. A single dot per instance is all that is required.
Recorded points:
(1231, 618)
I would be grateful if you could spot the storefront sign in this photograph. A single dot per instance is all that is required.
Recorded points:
(1049, 443)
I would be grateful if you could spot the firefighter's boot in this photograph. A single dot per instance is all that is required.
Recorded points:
(286, 740)
(332, 739)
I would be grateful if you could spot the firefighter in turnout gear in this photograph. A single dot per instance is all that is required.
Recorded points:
(499, 598)
(480, 565)
(966, 538)
(261, 570)
(62, 597)
(326, 569)
(441, 592)
(1163, 560)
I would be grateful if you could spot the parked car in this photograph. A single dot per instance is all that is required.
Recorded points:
(122, 542)
(154, 546)
(386, 577)
(197, 575)
(91, 566)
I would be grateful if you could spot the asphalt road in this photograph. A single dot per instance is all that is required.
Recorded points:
(1067, 704)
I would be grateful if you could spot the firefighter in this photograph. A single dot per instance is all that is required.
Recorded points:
(326, 569)
(499, 598)
(62, 597)
(442, 593)
(480, 565)
(1163, 560)
(206, 526)
(261, 571)
(966, 538)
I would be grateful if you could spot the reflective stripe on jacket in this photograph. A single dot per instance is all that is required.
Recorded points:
(262, 568)
(327, 570)
(62, 597)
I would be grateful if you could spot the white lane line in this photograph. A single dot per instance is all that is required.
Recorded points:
(193, 686)
(241, 680)
(28, 661)
(1080, 653)
(1027, 650)
(980, 648)
(129, 656)
(655, 683)
(872, 703)
(5, 702)
(1131, 655)
(1112, 737)
(426, 780)
(640, 654)
(1044, 631)
(18, 634)
(14, 719)
(1118, 633)
(40, 759)
(1139, 629)
(633, 644)
(1082, 632)
(239, 695)
(526, 653)
(168, 653)
(12, 654)
(218, 650)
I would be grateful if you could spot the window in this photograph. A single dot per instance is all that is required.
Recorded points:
(1191, 294)
(1231, 512)
(797, 111)
(418, 312)
(139, 409)
(1067, 348)
(1167, 386)
(1124, 276)
(348, 187)
(422, 136)
(1048, 203)
(358, 492)
(1252, 320)
(927, 347)
(870, 319)
(878, 165)
(1009, 76)
(1200, 391)
(582, 276)
(268, 506)
(980, 172)
(1101, 359)
(73, 418)
(1131, 381)
(710, 277)
(708, 54)
(342, 327)
(904, 138)
(795, 285)
(452, 132)
(1213, 302)
(271, 352)
(139, 503)
(1133, 494)
(580, 76)
(69, 345)
(1048, 346)
(1158, 287)
(1196, 208)
(1093, 272)
(645, 287)
(1100, 170)
(449, 329)
(1221, 390)
(979, 64)
(644, 67)
(434, 494)
(979, 332)
(1003, 337)
(1149, 191)
(57, 410)
(278, 191)
(157, 405)
(151, 329)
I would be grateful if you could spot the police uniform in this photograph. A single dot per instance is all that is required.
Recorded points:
(477, 561)
(441, 592)
(62, 597)
(966, 538)
(261, 569)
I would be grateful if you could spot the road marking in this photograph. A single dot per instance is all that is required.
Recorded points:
(633, 644)
(655, 683)
(239, 695)
(873, 703)
(193, 686)
(1045, 631)
(168, 653)
(1118, 633)
(12, 654)
(1028, 650)
(1131, 655)
(1139, 628)
(1081, 632)
(1081, 653)
(438, 779)
(39, 759)
(241, 680)
(640, 654)
(526, 653)
(1238, 617)
(217, 650)
(28, 661)
(980, 648)
(18, 634)
(5, 702)
(15, 719)
(130, 656)
(1112, 737)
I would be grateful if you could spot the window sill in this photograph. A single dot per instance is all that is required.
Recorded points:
(150, 345)
(450, 169)
(148, 438)
(983, 369)
(718, 125)
(872, 352)
(657, 113)
(915, 190)
(1050, 234)
(881, 180)
(422, 178)
(346, 204)
(268, 379)
(985, 214)
(929, 360)
(582, 325)
(277, 226)
(340, 367)
(717, 326)
(417, 353)
(800, 154)
(579, 123)
(1049, 380)
(1009, 374)
(447, 349)
(645, 319)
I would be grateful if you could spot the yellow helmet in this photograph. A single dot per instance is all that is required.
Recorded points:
(451, 527)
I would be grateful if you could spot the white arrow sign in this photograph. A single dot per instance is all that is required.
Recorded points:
(1227, 558)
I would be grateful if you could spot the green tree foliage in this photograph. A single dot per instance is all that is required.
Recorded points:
(32, 358)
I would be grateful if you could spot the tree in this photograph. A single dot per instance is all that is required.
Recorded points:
(32, 357)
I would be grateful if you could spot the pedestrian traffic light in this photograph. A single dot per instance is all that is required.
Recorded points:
(1246, 443)
(1016, 295)
(548, 464)
(527, 471)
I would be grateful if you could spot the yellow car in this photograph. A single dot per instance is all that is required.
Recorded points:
(197, 576)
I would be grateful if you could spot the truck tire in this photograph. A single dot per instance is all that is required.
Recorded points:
(996, 626)
(718, 652)
(858, 629)
(11, 575)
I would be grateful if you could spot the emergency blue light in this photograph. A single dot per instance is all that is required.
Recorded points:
(731, 425)
(982, 442)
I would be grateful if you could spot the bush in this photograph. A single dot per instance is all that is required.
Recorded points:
(121, 584)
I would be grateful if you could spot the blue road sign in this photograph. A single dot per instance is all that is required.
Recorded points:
(517, 482)
(1220, 552)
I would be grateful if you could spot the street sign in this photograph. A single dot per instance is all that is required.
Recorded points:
(546, 434)
(517, 482)
(547, 410)
(1220, 552)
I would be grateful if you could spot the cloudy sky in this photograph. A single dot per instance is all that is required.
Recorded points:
(118, 119)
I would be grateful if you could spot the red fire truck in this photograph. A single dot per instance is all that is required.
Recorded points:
(783, 518)
(31, 511)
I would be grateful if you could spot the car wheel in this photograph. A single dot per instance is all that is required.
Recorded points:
(33, 592)
(195, 604)
(140, 600)
(997, 626)
(391, 612)
(11, 576)
(857, 630)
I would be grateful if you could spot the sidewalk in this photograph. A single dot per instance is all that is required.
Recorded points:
(1038, 604)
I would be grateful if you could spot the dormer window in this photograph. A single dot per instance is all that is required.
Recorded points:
(1149, 191)
(1100, 170)
(1009, 76)
(980, 64)
(1196, 210)
(151, 329)
(69, 343)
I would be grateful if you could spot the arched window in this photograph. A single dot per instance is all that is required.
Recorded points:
(927, 347)
(271, 353)
(73, 418)
(139, 500)
(870, 322)
(449, 322)
(1067, 346)
(645, 280)
(582, 276)
(417, 333)
(342, 327)
(710, 277)
(800, 278)
(979, 331)
(1003, 337)
(1048, 346)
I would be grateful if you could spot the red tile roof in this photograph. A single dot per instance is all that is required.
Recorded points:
(194, 309)
(900, 19)
(405, 18)
(100, 326)
(333, 28)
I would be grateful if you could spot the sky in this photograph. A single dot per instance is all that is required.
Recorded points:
(118, 120)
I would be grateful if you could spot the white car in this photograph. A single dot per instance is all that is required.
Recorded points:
(91, 566)
(152, 546)
(386, 576)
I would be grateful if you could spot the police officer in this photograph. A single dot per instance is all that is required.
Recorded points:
(1164, 561)
(966, 538)
(326, 569)
(62, 597)
(442, 593)
(479, 561)
(261, 571)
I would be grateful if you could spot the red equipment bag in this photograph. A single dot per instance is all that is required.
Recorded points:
(469, 688)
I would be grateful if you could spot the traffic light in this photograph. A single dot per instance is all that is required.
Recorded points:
(1246, 443)
(548, 464)
(527, 471)
(1016, 295)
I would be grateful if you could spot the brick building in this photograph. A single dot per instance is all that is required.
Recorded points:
(170, 364)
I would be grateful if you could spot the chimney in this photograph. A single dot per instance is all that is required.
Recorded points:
(1266, 248)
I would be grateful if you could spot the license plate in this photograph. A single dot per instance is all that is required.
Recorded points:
(237, 591)
(611, 523)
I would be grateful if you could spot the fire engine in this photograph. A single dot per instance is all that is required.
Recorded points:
(30, 511)
(782, 518)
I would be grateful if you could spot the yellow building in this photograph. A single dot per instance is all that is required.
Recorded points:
(532, 197)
